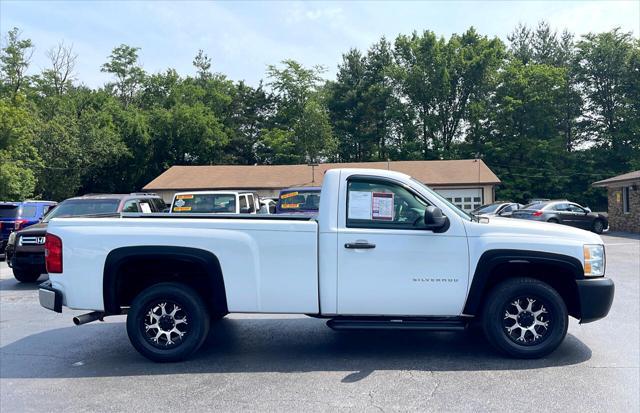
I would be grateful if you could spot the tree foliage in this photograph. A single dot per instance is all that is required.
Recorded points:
(550, 112)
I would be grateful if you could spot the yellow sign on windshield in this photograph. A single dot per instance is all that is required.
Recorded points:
(289, 195)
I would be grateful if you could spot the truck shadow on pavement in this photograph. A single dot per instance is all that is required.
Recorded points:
(283, 345)
(11, 284)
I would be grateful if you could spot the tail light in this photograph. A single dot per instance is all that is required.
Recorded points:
(18, 224)
(53, 253)
(537, 213)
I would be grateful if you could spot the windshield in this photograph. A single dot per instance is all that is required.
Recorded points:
(486, 209)
(204, 203)
(455, 209)
(82, 207)
(298, 201)
(8, 211)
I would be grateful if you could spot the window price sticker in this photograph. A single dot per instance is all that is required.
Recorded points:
(382, 206)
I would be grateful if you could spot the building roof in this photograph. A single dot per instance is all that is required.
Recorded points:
(620, 179)
(438, 173)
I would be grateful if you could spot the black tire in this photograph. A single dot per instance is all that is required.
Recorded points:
(521, 342)
(192, 310)
(598, 226)
(26, 276)
(553, 221)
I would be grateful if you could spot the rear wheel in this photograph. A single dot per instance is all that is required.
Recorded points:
(26, 276)
(525, 318)
(554, 221)
(598, 226)
(167, 322)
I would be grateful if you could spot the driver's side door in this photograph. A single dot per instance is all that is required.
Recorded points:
(388, 264)
(581, 218)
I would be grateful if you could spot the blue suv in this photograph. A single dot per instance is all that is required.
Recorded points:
(15, 216)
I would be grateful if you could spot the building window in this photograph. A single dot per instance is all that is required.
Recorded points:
(625, 199)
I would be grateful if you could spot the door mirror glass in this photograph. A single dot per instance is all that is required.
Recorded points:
(433, 219)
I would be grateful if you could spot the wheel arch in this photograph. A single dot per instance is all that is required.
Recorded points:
(128, 270)
(559, 271)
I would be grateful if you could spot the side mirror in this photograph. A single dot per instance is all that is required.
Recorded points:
(587, 209)
(434, 220)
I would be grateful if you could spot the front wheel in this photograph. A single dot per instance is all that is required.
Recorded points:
(167, 322)
(525, 318)
(598, 226)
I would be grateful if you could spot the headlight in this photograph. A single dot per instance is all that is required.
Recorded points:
(594, 260)
(12, 239)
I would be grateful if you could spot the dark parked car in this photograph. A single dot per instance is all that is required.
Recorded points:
(15, 216)
(564, 212)
(503, 209)
(25, 249)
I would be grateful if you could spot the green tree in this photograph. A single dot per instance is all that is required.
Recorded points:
(18, 156)
(123, 64)
(276, 147)
(15, 57)
(607, 73)
(301, 109)
(250, 112)
(441, 79)
(202, 63)
(525, 144)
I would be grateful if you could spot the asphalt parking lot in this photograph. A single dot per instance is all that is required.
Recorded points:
(292, 363)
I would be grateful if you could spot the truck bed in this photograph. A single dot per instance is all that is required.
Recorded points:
(269, 263)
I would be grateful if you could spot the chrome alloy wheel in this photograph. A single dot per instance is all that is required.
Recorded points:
(165, 324)
(526, 321)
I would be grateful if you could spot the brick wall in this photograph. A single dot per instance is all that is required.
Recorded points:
(618, 220)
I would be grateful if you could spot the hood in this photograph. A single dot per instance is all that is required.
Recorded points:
(38, 229)
(525, 228)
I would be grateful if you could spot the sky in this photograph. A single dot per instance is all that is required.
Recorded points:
(242, 38)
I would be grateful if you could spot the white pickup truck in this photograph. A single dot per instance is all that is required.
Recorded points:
(385, 251)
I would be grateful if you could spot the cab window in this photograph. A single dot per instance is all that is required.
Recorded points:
(373, 203)
(130, 206)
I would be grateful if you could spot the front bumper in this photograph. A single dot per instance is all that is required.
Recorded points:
(596, 297)
(28, 262)
(49, 297)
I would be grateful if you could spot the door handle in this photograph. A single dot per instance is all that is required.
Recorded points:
(359, 245)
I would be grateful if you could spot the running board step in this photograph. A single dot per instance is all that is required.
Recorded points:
(396, 324)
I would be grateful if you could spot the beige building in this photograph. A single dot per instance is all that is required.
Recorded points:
(468, 183)
(624, 201)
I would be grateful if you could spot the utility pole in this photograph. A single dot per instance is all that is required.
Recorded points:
(313, 171)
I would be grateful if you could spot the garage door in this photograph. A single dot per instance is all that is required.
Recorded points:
(467, 199)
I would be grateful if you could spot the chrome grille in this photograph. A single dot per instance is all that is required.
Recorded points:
(31, 241)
